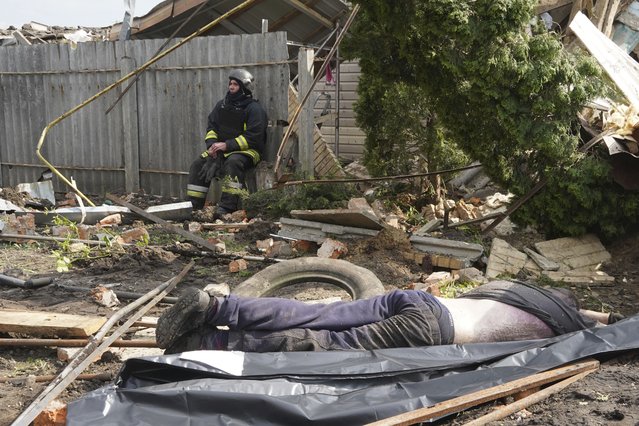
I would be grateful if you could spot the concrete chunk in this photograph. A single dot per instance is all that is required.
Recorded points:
(574, 252)
(544, 263)
(172, 211)
(580, 277)
(318, 232)
(41, 190)
(362, 218)
(504, 259)
(332, 249)
(457, 249)
(8, 206)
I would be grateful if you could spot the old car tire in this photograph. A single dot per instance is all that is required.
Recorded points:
(359, 282)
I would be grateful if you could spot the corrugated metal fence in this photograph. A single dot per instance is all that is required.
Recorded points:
(150, 138)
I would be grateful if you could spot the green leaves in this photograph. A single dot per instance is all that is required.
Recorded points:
(492, 82)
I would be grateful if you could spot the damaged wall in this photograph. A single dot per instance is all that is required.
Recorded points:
(150, 138)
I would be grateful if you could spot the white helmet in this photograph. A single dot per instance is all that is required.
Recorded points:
(245, 79)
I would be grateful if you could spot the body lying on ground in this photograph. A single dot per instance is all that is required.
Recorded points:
(494, 312)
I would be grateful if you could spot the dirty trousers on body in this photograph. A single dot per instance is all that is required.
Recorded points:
(396, 319)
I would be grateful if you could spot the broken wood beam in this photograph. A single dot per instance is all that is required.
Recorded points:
(74, 343)
(166, 225)
(485, 395)
(527, 401)
(49, 323)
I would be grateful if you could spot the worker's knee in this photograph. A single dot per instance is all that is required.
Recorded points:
(197, 165)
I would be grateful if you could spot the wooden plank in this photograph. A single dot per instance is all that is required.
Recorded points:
(49, 323)
(609, 19)
(461, 403)
(621, 68)
(310, 12)
(527, 401)
(599, 13)
(307, 126)
(129, 106)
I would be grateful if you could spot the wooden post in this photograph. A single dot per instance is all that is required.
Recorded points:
(305, 72)
(131, 143)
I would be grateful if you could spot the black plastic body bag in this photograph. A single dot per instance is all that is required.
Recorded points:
(331, 388)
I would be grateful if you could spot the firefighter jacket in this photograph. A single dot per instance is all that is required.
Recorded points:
(241, 123)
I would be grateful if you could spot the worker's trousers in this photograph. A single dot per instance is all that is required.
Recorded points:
(396, 319)
(234, 166)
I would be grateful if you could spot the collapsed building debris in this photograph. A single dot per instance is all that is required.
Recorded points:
(511, 261)
(36, 33)
(575, 261)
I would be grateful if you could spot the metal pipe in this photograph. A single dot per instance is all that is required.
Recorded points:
(84, 357)
(296, 114)
(397, 177)
(4, 236)
(74, 343)
(117, 83)
(105, 377)
(26, 284)
(124, 295)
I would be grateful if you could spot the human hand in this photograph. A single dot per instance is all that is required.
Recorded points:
(217, 147)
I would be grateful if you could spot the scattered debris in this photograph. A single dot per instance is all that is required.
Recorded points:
(572, 260)
(504, 259)
(279, 249)
(332, 249)
(55, 414)
(36, 33)
(318, 232)
(132, 235)
(237, 265)
(361, 218)
(218, 290)
(104, 296)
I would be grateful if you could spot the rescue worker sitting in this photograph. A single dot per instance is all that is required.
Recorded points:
(235, 138)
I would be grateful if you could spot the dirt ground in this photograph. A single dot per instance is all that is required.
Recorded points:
(608, 396)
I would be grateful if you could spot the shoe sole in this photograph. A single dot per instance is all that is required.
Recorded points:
(186, 314)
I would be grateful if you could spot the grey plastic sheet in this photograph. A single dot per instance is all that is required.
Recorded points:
(332, 388)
